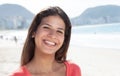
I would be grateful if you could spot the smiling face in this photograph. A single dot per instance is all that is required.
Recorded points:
(49, 36)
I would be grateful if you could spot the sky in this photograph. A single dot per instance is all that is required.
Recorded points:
(73, 8)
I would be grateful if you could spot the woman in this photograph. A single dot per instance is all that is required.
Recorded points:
(45, 48)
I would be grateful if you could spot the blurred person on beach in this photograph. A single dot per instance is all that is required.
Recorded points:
(45, 49)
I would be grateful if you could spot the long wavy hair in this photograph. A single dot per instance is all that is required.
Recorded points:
(29, 46)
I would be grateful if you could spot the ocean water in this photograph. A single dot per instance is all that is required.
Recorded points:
(99, 29)
(98, 36)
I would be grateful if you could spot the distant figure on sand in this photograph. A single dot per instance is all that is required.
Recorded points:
(15, 39)
(45, 49)
(1, 36)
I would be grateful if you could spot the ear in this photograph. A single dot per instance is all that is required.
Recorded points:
(33, 35)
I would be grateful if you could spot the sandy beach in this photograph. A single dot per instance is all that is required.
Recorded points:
(92, 61)
(96, 61)
(9, 56)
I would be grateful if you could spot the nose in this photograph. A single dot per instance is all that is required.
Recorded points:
(52, 34)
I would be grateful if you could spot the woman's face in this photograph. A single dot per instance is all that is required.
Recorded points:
(49, 36)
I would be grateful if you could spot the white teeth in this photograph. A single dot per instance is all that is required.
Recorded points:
(50, 43)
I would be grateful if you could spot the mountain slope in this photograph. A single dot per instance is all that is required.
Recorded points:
(14, 10)
(13, 16)
(98, 15)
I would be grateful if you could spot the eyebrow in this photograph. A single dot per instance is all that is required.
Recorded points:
(51, 26)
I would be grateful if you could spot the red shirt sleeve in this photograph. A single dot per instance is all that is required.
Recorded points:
(72, 69)
(75, 70)
(22, 71)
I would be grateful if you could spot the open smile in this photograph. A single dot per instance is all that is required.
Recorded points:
(49, 43)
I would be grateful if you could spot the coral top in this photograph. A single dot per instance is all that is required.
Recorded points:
(71, 70)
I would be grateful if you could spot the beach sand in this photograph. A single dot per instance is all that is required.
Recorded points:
(96, 61)
(92, 61)
(9, 56)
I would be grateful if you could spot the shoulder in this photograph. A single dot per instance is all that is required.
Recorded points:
(73, 68)
(72, 65)
(19, 72)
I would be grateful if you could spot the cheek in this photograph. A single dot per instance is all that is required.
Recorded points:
(37, 38)
(62, 40)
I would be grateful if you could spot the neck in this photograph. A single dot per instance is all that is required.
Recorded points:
(43, 60)
(43, 63)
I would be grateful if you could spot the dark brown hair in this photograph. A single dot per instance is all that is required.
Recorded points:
(29, 46)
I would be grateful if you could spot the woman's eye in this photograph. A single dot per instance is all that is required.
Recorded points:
(46, 27)
(61, 32)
